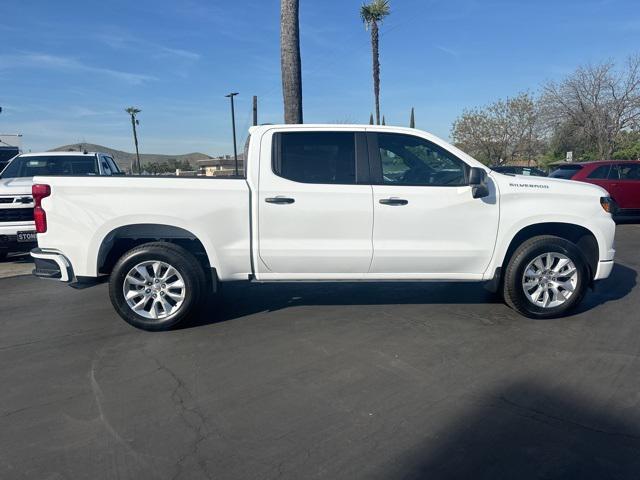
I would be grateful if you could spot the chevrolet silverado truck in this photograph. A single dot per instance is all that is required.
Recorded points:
(17, 228)
(325, 203)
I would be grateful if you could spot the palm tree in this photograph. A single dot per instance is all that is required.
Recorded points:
(372, 14)
(133, 111)
(290, 62)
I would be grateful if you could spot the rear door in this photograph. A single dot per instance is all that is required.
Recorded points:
(315, 213)
(426, 222)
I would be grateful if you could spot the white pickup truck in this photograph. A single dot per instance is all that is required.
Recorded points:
(17, 230)
(326, 203)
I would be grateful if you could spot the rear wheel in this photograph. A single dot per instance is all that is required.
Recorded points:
(156, 286)
(546, 277)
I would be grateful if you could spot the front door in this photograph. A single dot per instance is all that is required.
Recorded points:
(426, 222)
(626, 185)
(315, 206)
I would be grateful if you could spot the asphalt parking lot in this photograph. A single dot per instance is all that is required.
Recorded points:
(332, 381)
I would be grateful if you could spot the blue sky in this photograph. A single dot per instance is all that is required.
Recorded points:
(68, 68)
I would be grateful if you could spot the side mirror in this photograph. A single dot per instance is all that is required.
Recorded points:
(478, 183)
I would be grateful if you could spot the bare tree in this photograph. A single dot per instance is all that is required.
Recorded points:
(503, 131)
(290, 62)
(595, 104)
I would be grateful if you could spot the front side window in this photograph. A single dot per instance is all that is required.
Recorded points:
(409, 160)
(112, 165)
(315, 157)
(600, 172)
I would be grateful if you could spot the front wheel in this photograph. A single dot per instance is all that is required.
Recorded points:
(546, 277)
(156, 286)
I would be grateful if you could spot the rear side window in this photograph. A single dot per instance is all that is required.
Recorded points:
(56, 165)
(106, 168)
(566, 171)
(600, 172)
(315, 157)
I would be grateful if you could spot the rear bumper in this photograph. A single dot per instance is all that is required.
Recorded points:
(9, 243)
(52, 265)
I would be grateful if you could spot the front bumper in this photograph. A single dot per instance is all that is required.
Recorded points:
(604, 269)
(52, 265)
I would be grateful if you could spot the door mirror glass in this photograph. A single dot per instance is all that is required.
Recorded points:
(478, 182)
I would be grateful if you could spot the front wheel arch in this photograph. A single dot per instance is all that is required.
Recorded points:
(582, 237)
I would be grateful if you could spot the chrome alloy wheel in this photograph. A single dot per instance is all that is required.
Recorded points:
(154, 290)
(549, 280)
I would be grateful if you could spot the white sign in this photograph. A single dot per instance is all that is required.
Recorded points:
(569, 157)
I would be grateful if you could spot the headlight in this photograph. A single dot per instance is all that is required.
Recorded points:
(608, 205)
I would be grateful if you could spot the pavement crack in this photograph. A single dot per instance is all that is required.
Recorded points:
(191, 416)
(99, 400)
(534, 413)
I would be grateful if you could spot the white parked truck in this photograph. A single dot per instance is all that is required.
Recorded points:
(325, 203)
(17, 230)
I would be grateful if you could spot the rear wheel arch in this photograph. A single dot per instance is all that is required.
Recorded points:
(122, 239)
(581, 236)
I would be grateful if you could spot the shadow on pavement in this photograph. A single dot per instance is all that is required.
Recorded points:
(528, 431)
(241, 299)
(619, 284)
(237, 300)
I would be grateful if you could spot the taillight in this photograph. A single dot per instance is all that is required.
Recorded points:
(40, 191)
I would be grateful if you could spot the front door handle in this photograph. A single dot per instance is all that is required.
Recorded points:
(280, 200)
(393, 201)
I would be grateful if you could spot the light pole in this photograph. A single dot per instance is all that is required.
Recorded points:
(133, 111)
(233, 127)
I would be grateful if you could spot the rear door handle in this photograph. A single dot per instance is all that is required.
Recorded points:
(280, 200)
(393, 201)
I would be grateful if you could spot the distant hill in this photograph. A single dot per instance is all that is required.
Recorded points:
(124, 159)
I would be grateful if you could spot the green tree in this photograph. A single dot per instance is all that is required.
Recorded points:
(372, 15)
(133, 111)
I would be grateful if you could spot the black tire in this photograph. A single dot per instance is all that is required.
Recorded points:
(184, 262)
(513, 291)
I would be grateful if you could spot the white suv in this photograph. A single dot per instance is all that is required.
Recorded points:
(17, 230)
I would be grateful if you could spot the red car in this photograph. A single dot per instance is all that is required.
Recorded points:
(621, 178)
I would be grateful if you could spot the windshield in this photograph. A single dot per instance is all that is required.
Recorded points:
(565, 171)
(51, 165)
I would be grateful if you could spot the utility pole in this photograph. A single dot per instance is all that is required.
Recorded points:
(233, 127)
(133, 111)
(255, 110)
